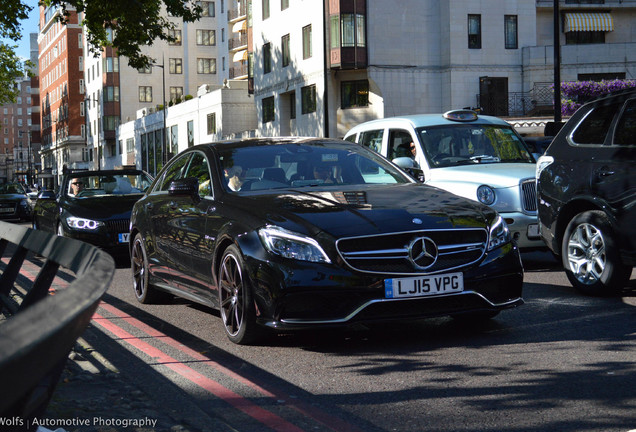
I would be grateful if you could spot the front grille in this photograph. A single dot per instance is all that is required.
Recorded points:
(529, 195)
(118, 226)
(389, 253)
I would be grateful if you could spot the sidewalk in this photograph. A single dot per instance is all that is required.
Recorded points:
(93, 396)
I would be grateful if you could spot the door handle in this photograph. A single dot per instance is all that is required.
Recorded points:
(173, 205)
(149, 206)
(605, 172)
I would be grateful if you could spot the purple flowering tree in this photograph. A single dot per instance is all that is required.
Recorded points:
(576, 93)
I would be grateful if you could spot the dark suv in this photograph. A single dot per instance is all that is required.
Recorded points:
(586, 191)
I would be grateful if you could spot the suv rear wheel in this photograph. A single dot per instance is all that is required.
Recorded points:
(590, 255)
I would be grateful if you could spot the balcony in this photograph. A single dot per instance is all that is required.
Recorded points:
(238, 71)
(236, 43)
(239, 12)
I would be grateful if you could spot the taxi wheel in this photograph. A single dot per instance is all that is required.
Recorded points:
(590, 255)
(144, 293)
(237, 308)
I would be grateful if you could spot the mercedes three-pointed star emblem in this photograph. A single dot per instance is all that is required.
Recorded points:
(423, 252)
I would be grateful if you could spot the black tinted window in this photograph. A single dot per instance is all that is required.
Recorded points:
(199, 169)
(593, 129)
(626, 128)
(174, 171)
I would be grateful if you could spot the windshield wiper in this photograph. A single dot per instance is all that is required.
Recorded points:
(485, 158)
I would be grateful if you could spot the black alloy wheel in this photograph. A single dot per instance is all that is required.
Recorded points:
(139, 264)
(235, 299)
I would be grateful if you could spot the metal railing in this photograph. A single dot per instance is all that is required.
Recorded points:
(38, 330)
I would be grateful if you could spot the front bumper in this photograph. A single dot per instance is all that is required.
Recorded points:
(320, 295)
(524, 229)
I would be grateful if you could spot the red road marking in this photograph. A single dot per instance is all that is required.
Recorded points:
(331, 422)
(269, 419)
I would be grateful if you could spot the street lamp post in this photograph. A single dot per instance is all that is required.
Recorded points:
(164, 149)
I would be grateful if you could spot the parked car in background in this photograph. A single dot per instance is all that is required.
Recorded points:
(475, 156)
(295, 233)
(587, 194)
(537, 145)
(14, 202)
(93, 206)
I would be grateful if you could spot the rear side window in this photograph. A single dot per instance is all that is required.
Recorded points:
(372, 139)
(625, 134)
(595, 126)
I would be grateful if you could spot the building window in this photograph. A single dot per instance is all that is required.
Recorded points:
(145, 94)
(510, 24)
(176, 93)
(145, 70)
(474, 31)
(267, 58)
(206, 37)
(308, 99)
(268, 109)
(265, 9)
(111, 64)
(354, 94)
(206, 66)
(285, 50)
(207, 8)
(292, 105)
(130, 145)
(190, 127)
(584, 37)
(176, 66)
(111, 94)
(111, 122)
(284, 4)
(176, 35)
(352, 30)
(307, 42)
(174, 139)
(211, 123)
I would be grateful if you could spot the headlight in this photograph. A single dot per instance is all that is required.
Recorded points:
(24, 203)
(543, 163)
(81, 223)
(499, 234)
(485, 195)
(292, 245)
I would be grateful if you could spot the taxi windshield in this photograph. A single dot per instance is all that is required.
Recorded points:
(467, 144)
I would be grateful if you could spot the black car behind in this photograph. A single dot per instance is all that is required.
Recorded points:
(587, 194)
(298, 233)
(14, 202)
(93, 206)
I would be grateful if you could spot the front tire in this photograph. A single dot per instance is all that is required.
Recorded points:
(238, 312)
(144, 293)
(590, 255)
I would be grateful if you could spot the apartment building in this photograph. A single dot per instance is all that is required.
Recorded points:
(15, 123)
(114, 91)
(321, 67)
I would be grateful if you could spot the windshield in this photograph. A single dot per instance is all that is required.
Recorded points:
(303, 165)
(466, 144)
(11, 188)
(96, 184)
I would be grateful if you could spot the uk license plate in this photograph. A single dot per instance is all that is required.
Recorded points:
(6, 210)
(421, 286)
(124, 237)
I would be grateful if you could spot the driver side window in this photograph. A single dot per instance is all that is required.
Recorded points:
(198, 169)
(175, 171)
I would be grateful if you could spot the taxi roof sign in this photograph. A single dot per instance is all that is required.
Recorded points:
(461, 115)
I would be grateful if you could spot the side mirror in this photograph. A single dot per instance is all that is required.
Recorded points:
(185, 187)
(411, 167)
(48, 195)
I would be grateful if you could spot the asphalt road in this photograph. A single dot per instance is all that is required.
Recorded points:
(561, 362)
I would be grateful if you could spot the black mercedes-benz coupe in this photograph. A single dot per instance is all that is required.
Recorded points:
(93, 206)
(292, 233)
(14, 202)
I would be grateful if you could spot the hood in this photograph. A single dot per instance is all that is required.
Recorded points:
(103, 207)
(366, 210)
(496, 175)
(12, 197)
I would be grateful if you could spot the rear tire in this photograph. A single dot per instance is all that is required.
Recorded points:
(591, 257)
(144, 293)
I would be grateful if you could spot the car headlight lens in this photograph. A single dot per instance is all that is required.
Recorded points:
(542, 163)
(499, 234)
(83, 224)
(485, 195)
(24, 203)
(292, 245)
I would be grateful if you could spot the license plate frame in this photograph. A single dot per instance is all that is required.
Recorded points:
(423, 286)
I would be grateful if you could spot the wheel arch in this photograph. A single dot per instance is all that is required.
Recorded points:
(571, 209)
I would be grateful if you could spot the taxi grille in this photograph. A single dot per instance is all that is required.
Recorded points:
(529, 195)
(389, 253)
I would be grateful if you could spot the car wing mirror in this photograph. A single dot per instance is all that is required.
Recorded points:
(185, 187)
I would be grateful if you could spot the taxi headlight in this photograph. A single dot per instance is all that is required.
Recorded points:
(83, 224)
(292, 245)
(485, 194)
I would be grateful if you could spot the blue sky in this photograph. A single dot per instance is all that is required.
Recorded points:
(28, 26)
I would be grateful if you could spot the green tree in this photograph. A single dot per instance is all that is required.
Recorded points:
(134, 24)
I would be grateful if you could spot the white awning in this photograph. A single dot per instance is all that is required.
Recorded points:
(239, 26)
(588, 21)
(240, 56)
